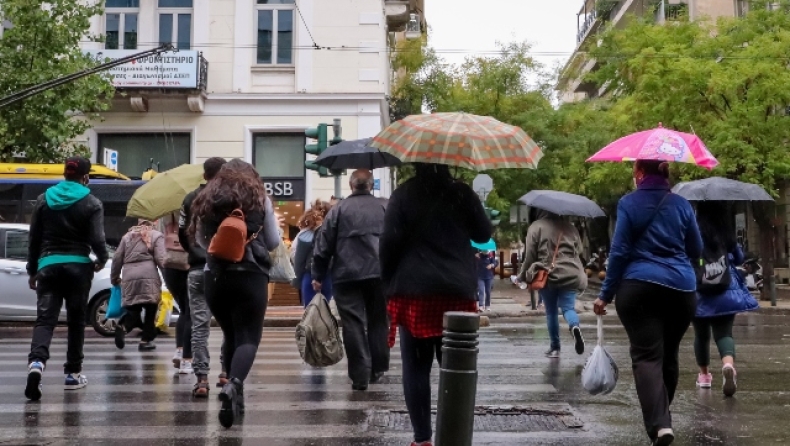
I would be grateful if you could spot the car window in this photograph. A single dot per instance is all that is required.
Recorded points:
(16, 245)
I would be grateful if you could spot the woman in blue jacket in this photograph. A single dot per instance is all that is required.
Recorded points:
(716, 312)
(486, 264)
(650, 271)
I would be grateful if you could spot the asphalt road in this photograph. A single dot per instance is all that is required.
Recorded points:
(525, 399)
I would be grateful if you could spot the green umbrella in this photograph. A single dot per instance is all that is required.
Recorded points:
(165, 192)
(490, 245)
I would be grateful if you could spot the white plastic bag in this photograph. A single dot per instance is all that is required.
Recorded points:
(600, 374)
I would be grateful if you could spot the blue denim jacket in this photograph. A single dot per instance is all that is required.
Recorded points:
(663, 252)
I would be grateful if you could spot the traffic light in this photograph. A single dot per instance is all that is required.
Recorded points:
(337, 139)
(493, 215)
(318, 133)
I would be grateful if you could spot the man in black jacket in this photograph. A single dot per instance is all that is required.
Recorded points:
(349, 239)
(67, 224)
(201, 315)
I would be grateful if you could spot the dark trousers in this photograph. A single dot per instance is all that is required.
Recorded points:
(363, 310)
(417, 359)
(176, 282)
(56, 284)
(238, 300)
(721, 326)
(655, 318)
(134, 318)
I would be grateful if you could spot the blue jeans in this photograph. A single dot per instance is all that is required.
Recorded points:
(555, 299)
(307, 289)
(484, 292)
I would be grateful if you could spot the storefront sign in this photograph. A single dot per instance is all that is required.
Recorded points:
(287, 189)
(174, 69)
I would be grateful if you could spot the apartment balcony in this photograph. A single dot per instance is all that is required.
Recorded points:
(594, 13)
(171, 74)
(397, 12)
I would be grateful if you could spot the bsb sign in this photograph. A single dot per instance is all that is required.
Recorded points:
(172, 69)
(289, 189)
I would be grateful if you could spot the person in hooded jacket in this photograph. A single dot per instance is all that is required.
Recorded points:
(303, 258)
(428, 268)
(486, 264)
(66, 225)
(716, 312)
(140, 256)
(554, 244)
(236, 292)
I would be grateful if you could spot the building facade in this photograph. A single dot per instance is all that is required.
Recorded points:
(594, 15)
(246, 79)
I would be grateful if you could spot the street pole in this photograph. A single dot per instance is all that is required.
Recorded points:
(457, 380)
(338, 174)
(338, 186)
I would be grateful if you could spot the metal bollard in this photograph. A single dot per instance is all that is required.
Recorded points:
(457, 379)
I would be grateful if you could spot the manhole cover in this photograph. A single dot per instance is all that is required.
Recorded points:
(489, 419)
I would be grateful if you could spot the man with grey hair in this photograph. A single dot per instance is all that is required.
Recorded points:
(349, 243)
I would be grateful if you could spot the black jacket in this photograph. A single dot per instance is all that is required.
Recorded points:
(76, 230)
(426, 247)
(349, 238)
(197, 255)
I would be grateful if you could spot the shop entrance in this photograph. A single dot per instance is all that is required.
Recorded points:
(284, 294)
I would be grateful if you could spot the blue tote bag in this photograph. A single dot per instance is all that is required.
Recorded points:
(114, 309)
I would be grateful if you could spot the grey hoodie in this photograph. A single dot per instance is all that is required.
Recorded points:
(542, 238)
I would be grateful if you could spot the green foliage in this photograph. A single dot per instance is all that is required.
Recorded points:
(44, 45)
(726, 81)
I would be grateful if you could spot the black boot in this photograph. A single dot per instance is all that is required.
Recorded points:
(229, 396)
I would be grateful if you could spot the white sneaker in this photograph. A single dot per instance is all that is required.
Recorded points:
(75, 381)
(34, 388)
(186, 367)
(177, 359)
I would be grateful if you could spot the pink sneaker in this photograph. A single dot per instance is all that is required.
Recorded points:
(704, 381)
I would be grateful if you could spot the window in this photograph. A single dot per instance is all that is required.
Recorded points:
(279, 154)
(175, 23)
(120, 24)
(275, 20)
(16, 245)
(135, 150)
(676, 12)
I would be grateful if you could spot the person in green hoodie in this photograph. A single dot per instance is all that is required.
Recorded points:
(66, 225)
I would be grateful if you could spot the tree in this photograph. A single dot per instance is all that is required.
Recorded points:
(43, 45)
(725, 80)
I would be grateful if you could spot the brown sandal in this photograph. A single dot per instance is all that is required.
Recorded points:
(201, 390)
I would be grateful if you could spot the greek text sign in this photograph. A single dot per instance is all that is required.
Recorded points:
(173, 69)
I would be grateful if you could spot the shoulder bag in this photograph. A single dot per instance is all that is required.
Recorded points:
(542, 275)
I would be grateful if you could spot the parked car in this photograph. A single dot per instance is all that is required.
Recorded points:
(18, 301)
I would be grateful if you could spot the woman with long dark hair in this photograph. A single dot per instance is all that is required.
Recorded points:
(237, 292)
(650, 270)
(716, 310)
(428, 268)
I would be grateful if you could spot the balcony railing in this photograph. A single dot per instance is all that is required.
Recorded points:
(603, 10)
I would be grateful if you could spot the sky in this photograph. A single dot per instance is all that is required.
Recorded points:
(476, 25)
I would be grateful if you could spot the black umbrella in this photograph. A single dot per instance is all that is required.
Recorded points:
(721, 189)
(356, 154)
(562, 203)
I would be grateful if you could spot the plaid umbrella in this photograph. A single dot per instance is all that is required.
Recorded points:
(459, 139)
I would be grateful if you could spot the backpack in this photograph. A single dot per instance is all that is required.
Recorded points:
(713, 272)
(318, 335)
(176, 256)
(230, 240)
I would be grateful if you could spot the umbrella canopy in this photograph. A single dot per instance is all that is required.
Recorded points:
(562, 203)
(490, 245)
(658, 144)
(164, 193)
(459, 139)
(721, 189)
(356, 154)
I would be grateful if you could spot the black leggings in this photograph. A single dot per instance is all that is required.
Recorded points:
(655, 318)
(721, 326)
(134, 318)
(176, 282)
(417, 359)
(237, 299)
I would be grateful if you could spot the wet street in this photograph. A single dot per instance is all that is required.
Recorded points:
(135, 398)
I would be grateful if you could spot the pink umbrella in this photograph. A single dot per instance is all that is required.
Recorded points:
(658, 144)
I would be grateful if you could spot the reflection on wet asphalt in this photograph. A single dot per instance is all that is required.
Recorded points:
(134, 398)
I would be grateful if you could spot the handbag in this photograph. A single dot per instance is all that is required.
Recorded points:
(176, 256)
(281, 270)
(542, 275)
